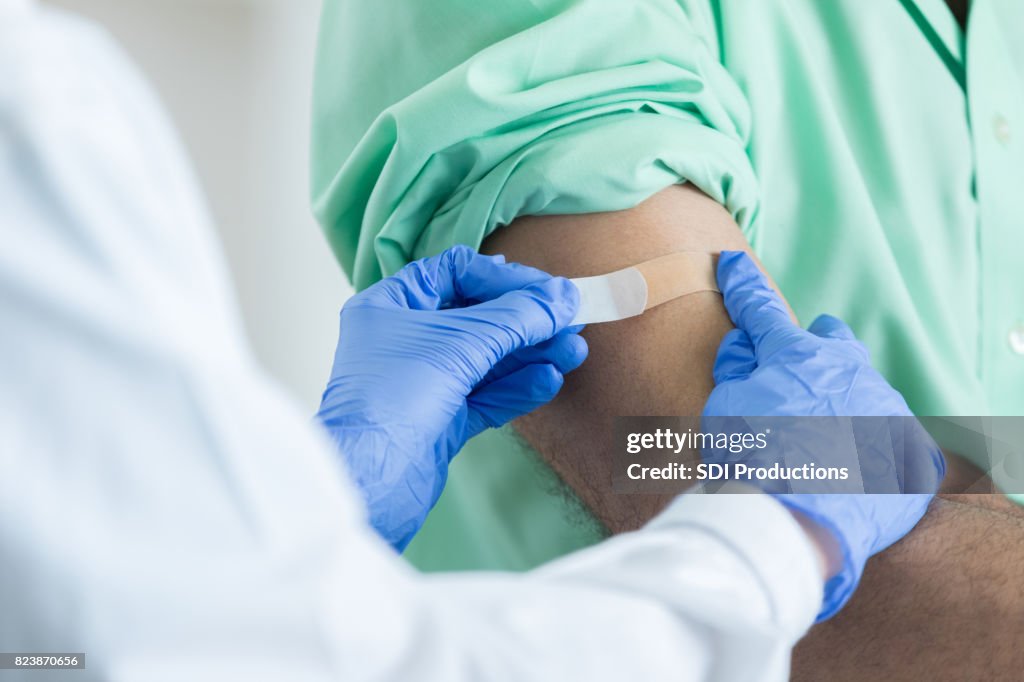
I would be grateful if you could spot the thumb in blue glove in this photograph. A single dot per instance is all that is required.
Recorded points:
(430, 357)
(770, 367)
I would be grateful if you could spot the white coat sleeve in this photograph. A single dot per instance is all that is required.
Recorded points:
(166, 510)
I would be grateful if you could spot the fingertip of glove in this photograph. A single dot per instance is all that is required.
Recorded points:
(571, 295)
(578, 352)
(460, 251)
(455, 259)
(547, 381)
(729, 261)
(829, 326)
(567, 290)
(727, 257)
(745, 290)
(562, 297)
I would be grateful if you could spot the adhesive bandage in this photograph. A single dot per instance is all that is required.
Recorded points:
(634, 290)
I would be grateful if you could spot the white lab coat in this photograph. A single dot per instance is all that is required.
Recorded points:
(165, 509)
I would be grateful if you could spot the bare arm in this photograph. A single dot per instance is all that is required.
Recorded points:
(656, 364)
(945, 603)
(954, 583)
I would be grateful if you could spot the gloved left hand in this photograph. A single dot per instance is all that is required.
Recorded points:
(768, 367)
(432, 356)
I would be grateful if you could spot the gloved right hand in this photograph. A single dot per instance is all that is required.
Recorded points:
(430, 357)
(770, 367)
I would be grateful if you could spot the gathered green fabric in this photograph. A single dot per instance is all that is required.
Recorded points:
(867, 151)
(537, 122)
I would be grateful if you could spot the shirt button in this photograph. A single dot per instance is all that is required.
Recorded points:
(1016, 339)
(1001, 129)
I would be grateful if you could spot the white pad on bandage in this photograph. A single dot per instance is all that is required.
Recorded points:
(615, 296)
(631, 291)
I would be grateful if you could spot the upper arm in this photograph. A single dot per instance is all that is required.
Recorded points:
(656, 364)
(570, 112)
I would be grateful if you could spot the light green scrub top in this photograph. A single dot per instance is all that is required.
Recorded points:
(870, 151)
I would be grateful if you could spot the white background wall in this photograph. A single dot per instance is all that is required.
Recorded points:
(236, 76)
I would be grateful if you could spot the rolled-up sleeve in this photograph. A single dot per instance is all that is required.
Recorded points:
(435, 123)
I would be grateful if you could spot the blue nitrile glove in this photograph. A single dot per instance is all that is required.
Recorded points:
(769, 366)
(432, 356)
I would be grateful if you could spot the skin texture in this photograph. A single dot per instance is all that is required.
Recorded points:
(946, 602)
(628, 372)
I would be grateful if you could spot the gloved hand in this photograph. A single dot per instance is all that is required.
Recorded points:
(432, 356)
(769, 366)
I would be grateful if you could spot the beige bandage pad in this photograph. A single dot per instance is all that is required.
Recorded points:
(634, 290)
